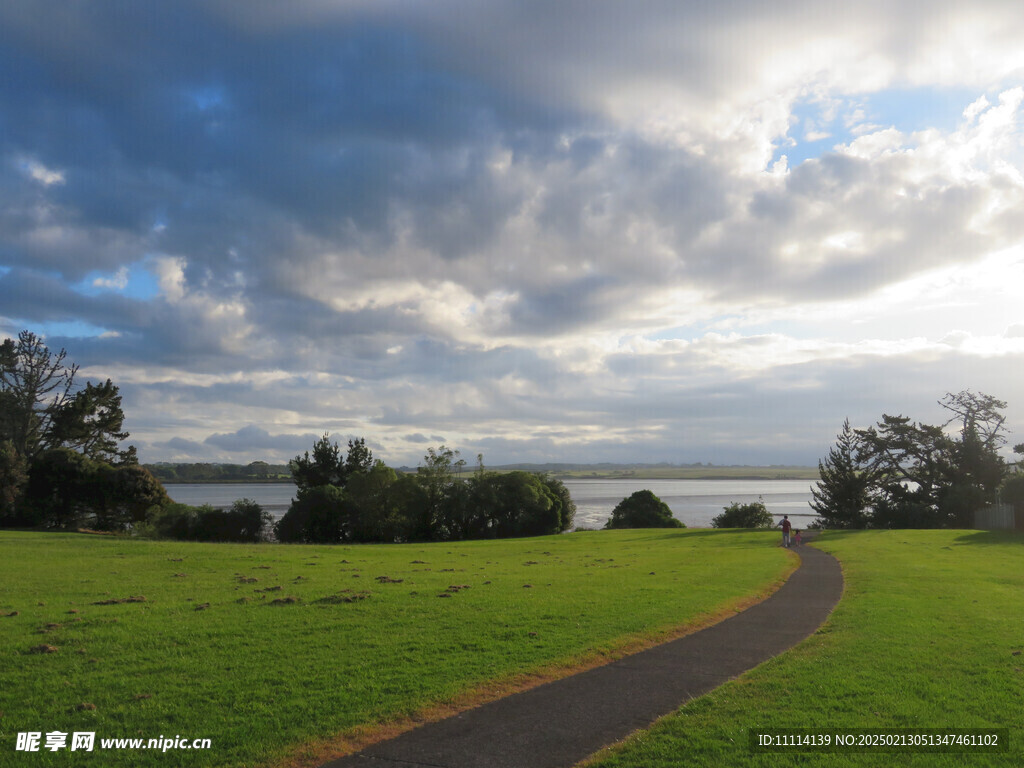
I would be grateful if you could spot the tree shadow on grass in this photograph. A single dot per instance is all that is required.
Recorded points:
(723, 536)
(967, 537)
(991, 537)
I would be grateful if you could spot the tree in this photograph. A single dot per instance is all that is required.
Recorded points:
(67, 489)
(642, 510)
(372, 509)
(736, 515)
(911, 465)
(13, 477)
(125, 496)
(512, 504)
(327, 467)
(536, 511)
(978, 469)
(445, 495)
(567, 507)
(318, 515)
(842, 496)
(40, 409)
(61, 489)
(359, 458)
(34, 384)
(91, 423)
(1012, 490)
(920, 475)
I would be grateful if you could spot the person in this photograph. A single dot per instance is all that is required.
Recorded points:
(786, 528)
(796, 538)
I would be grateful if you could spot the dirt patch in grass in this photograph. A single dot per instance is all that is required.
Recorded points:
(116, 601)
(345, 596)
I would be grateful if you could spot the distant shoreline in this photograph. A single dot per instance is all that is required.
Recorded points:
(640, 473)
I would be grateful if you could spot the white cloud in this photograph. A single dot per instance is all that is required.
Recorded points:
(36, 171)
(118, 282)
(557, 232)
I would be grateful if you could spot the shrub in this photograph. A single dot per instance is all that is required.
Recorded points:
(642, 510)
(125, 496)
(175, 521)
(244, 522)
(752, 515)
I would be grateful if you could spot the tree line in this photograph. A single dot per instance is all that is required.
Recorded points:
(61, 467)
(254, 472)
(900, 473)
(351, 497)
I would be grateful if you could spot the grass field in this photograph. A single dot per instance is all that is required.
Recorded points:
(272, 651)
(929, 634)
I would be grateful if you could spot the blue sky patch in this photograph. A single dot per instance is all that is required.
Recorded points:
(819, 126)
(134, 282)
(74, 329)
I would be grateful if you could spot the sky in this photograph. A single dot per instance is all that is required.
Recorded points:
(580, 231)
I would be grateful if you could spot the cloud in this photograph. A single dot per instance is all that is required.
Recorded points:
(118, 282)
(255, 440)
(570, 228)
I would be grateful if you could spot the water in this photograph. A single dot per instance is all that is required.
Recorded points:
(694, 502)
(273, 497)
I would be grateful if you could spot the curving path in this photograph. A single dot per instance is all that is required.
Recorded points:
(560, 723)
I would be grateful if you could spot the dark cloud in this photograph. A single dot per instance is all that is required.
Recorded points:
(254, 439)
(445, 218)
(180, 444)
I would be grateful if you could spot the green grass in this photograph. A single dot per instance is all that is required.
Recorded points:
(209, 653)
(929, 634)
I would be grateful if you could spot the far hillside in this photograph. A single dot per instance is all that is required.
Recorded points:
(256, 472)
(262, 472)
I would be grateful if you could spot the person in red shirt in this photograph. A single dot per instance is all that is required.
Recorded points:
(786, 528)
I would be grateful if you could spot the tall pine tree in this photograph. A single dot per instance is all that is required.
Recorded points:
(843, 494)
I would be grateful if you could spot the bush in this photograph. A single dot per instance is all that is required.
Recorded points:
(125, 496)
(752, 515)
(244, 522)
(175, 521)
(642, 510)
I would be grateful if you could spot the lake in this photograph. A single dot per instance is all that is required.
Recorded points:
(694, 502)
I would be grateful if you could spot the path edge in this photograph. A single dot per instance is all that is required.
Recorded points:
(315, 754)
